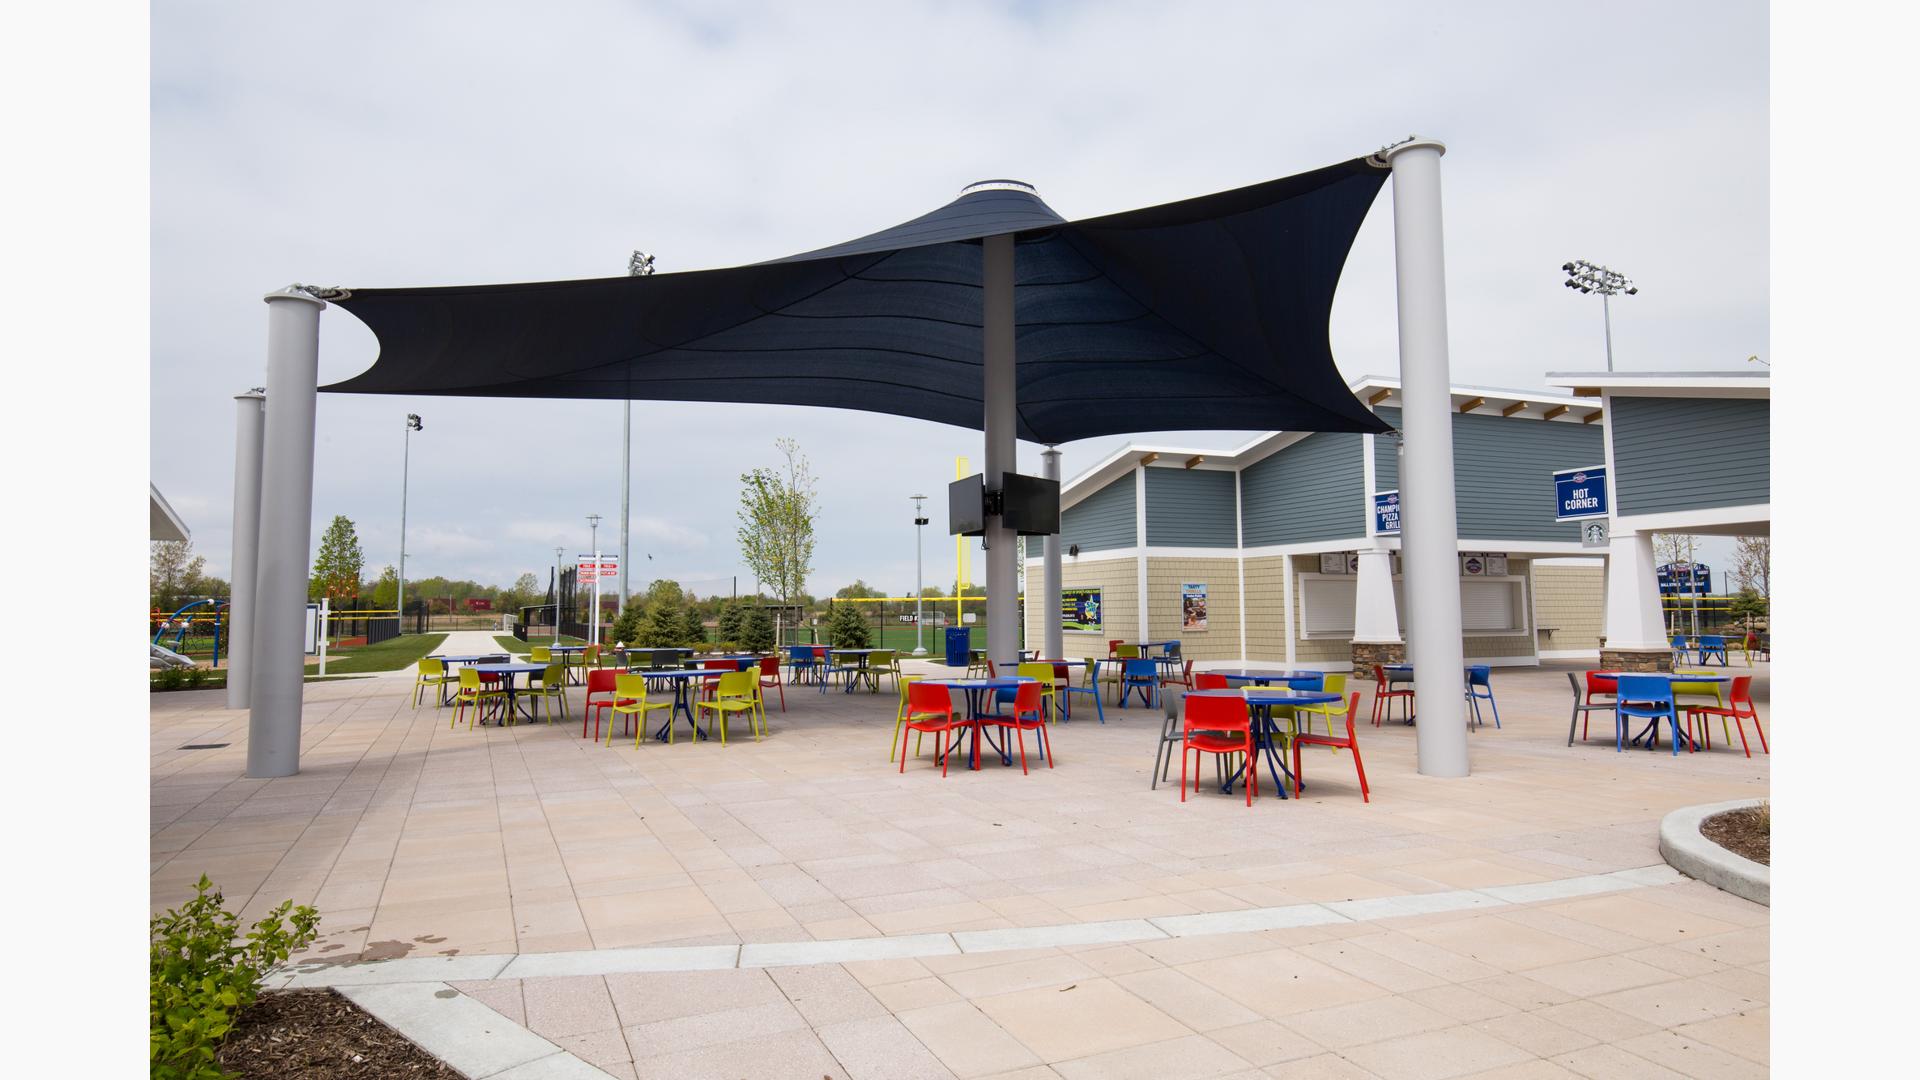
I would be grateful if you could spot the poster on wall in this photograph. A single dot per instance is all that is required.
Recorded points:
(1193, 605)
(1080, 609)
(1333, 562)
(1484, 564)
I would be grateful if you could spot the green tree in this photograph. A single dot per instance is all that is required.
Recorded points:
(1748, 605)
(757, 635)
(336, 569)
(626, 626)
(847, 627)
(859, 590)
(525, 590)
(692, 630)
(385, 592)
(173, 573)
(776, 523)
(732, 623)
(664, 590)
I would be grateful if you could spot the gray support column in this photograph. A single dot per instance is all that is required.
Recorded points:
(286, 527)
(997, 357)
(1429, 540)
(1055, 641)
(249, 433)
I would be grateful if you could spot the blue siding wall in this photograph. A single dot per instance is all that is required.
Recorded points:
(1190, 508)
(1503, 473)
(1312, 490)
(1689, 453)
(1104, 519)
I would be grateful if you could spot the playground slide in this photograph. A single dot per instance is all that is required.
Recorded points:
(163, 657)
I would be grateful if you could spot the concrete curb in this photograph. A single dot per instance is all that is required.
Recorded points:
(1687, 851)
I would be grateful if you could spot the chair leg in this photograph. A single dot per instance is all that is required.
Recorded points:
(1743, 734)
(1183, 773)
(1574, 722)
(1763, 735)
(903, 751)
(1046, 747)
(1496, 710)
(1297, 770)
(946, 759)
(1361, 771)
(1020, 736)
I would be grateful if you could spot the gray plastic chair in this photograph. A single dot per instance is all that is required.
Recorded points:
(1580, 705)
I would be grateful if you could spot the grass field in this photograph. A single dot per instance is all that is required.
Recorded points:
(392, 654)
(521, 648)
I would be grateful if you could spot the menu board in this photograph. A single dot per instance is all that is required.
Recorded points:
(1193, 605)
(1080, 609)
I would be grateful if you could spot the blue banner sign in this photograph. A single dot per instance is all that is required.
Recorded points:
(1580, 493)
(1684, 580)
(1386, 513)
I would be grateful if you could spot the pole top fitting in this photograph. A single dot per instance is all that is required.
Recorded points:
(258, 393)
(999, 185)
(301, 292)
(1383, 157)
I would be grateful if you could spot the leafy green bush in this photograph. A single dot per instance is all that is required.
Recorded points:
(757, 635)
(846, 628)
(693, 631)
(732, 621)
(196, 677)
(201, 976)
(169, 678)
(627, 626)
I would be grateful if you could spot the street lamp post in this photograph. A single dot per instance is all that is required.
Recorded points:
(919, 606)
(593, 621)
(639, 264)
(1593, 278)
(559, 563)
(406, 460)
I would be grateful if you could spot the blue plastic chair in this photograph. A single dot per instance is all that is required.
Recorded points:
(1649, 697)
(800, 659)
(1713, 645)
(1679, 644)
(1480, 676)
(1092, 690)
(1142, 675)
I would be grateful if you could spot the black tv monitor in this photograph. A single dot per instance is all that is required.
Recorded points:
(1030, 505)
(967, 507)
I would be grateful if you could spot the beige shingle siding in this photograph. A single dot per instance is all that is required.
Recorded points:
(1221, 639)
(1119, 610)
(1572, 600)
(1266, 629)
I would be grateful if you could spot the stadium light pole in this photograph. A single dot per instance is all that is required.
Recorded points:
(1591, 277)
(559, 561)
(919, 608)
(593, 621)
(406, 461)
(639, 264)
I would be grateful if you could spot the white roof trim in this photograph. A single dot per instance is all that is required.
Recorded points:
(1731, 384)
(165, 524)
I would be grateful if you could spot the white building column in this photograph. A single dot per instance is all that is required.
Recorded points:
(997, 359)
(1051, 632)
(1633, 597)
(249, 437)
(1429, 533)
(1375, 620)
(286, 527)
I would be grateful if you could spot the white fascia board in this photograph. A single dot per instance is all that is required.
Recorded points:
(1226, 553)
(1703, 384)
(163, 523)
(1758, 517)
(1127, 554)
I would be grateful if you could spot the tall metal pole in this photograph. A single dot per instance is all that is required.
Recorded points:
(1429, 532)
(406, 467)
(919, 565)
(997, 357)
(286, 528)
(248, 437)
(559, 564)
(639, 264)
(1606, 319)
(1051, 631)
(593, 620)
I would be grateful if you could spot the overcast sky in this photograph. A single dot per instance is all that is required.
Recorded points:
(439, 143)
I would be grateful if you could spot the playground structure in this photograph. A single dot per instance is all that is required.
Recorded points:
(181, 626)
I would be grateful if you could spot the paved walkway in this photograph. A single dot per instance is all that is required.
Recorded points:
(493, 845)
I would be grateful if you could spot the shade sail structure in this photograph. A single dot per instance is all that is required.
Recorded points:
(1206, 313)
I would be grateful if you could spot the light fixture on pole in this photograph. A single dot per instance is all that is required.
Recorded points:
(593, 635)
(639, 264)
(919, 607)
(406, 456)
(559, 565)
(1593, 278)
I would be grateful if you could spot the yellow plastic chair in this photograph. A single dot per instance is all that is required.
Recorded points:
(734, 694)
(1126, 652)
(1700, 692)
(630, 699)
(472, 692)
(1049, 691)
(900, 716)
(541, 654)
(881, 663)
(590, 658)
(1332, 683)
(431, 673)
(1104, 674)
(553, 684)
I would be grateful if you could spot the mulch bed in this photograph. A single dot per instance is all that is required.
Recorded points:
(1743, 832)
(320, 1035)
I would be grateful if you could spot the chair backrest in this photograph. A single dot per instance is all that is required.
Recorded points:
(819, 651)
(1379, 678)
(737, 684)
(880, 658)
(1646, 689)
(929, 698)
(665, 660)
(624, 686)
(593, 655)
(1173, 648)
(1139, 668)
(799, 654)
(541, 654)
(1353, 710)
(1026, 696)
(1679, 642)
(1209, 680)
(1043, 672)
(1601, 684)
(720, 665)
(1480, 675)
(770, 665)
(555, 675)
(1113, 646)
(1333, 682)
(1713, 641)
(1127, 652)
(601, 681)
(469, 679)
(430, 666)
(1742, 692)
(1061, 676)
(1216, 713)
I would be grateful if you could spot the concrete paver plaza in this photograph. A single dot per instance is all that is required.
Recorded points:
(417, 840)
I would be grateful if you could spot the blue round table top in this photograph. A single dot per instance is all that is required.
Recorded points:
(1672, 676)
(1003, 682)
(508, 669)
(563, 648)
(1255, 676)
(1263, 695)
(465, 659)
(682, 673)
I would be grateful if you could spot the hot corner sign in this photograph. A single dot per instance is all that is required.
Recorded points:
(1580, 493)
(1386, 513)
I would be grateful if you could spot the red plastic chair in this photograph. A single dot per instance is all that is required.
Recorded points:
(1113, 647)
(1351, 742)
(1741, 700)
(1185, 678)
(599, 681)
(1383, 697)
(1208, 680)
(711, 683)
(930, 708)
(1217, 726)
(1027, 716)
(1599, 684)
(770, 676)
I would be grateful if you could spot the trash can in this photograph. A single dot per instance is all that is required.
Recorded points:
(959, 645)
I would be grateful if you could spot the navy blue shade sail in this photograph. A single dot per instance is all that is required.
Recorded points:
(1210, 313)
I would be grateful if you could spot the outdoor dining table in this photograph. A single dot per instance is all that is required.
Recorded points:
(1651, 732)
(1267, 678)
(859, 675)
(566, 654)
(508, 683)
(683, 681)
(1261, 701)
(1407, 670)
(977, 690)
(471, 658)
